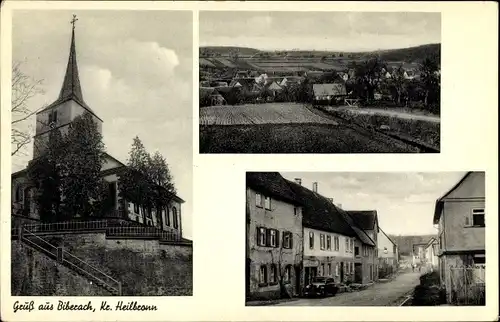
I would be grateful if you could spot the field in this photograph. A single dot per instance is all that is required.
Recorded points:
(271, 113)
(294, 138)
(287, 128)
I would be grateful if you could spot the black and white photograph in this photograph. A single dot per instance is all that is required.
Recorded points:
(365, 239)
(101, 150)
(319, 82)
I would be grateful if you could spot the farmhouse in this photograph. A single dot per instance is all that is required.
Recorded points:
(460, 216)
(328, 93)
(274, 237)
(388, 255)
(431, 254)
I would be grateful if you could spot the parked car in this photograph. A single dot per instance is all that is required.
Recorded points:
(321, 286)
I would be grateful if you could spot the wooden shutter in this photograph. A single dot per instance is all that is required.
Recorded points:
(268, 237)
(291, 240)
(277, 238)
(258, 237)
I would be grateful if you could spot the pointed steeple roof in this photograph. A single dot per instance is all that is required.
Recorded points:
(71, 89)
(71, 85)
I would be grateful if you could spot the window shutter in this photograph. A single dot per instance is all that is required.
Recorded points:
(277, 238)
(258, 235)
(268, 237)
(291, 240)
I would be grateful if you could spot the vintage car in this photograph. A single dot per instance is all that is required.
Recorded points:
(321, 286)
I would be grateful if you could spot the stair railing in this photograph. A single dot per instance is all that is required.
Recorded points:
(71, 261)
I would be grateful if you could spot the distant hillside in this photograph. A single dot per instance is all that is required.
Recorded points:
(405, 243)
(226, 50)
(412, 54)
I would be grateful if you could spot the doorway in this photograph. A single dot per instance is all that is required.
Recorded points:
(297, 280)
(358, 273)
(310, 273)
(342, 267)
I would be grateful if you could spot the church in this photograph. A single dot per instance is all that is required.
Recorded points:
(59, 115)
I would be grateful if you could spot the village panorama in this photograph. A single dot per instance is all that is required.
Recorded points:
(85, 223)
(255, 99)
(347, 240)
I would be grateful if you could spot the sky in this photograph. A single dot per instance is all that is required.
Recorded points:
(335, 31)
(136, 74)
(404, 201)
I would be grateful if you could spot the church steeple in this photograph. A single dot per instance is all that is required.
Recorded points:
(71, 88)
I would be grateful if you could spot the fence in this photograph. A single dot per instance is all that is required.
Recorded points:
(111, 229)
(467, 285)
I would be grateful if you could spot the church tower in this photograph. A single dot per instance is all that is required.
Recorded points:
(66, 108)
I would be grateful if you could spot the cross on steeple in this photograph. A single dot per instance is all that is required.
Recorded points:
(75, 19)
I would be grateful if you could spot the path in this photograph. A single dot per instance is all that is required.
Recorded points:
(380, 294)
(395, 113)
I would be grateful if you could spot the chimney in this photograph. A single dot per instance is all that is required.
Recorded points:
(315, 187)
(298, 181)
(330, 199)
(339, 205)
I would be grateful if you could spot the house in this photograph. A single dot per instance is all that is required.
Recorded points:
(460, 216)
(431, 252)
(272, 88)
(418, 253)
(333, 243)
(274, 237)
(368, 221)
(388, 256)
(328, 93)
(60, 115)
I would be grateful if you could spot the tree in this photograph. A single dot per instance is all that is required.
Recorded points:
(67, 175)
(429, 74)
(398, 83)
(277, 259)
(45, 173)
(24, 88)
(147, 180)
(367, 75)
(81, 181)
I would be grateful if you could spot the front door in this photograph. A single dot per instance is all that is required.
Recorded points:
(358, 273)
(297, 280)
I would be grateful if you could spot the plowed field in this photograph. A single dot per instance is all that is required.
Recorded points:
(273, 113)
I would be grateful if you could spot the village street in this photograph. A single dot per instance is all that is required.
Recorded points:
(380, 294)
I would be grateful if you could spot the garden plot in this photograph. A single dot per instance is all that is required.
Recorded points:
(273, 113)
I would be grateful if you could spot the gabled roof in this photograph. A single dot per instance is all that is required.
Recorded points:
(319, 212)
(273, 184)
(390, 239)
(365, 218)
(439, 203)
(360, 233)
(329, 89)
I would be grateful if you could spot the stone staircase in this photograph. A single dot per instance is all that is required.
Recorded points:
(65, 258)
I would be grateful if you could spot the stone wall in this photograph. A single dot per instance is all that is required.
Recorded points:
(145, 267)
(33, 273)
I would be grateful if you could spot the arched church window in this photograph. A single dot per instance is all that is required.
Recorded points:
(174, 218)
(167, 216)
(19, 194)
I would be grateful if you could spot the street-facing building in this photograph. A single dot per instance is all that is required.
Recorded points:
(460, 215)
(274, 237)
